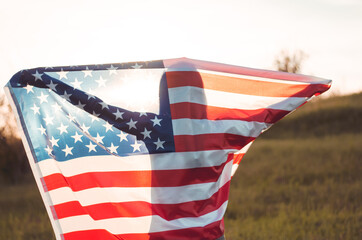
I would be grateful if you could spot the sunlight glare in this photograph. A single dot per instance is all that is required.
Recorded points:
(135, 90)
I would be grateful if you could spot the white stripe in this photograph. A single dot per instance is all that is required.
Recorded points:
(204, 126)
(234, 168)
(245, 148)
(264, 79)
(139, 224)
(154, 195)
(232, 100)
(109, 163)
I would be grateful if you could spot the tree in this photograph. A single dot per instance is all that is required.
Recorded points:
(287, 62)
(13, 161)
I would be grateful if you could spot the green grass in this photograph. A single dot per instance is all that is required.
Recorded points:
(321, 117)
(22, 213)
(302, 189)
(300, 180)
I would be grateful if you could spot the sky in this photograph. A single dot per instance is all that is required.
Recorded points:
(249, 33)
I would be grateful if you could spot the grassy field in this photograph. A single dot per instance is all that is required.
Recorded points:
(22, 213)
(303, 189)
(300, 180)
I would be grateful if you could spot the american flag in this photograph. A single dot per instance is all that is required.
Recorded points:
(146, 150)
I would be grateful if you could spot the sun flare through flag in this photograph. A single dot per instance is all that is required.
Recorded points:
(146, 150)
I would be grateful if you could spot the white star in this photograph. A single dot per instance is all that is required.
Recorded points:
(48, 150)
(104, 105)
(132, 124)
(112, 148)
(101, 82)
(37, 76)
(62, 128)
(42, 97)
(108, 126)
(67, 150)
(29, 88)
(71, 118)
(95, 116)
(143, 113)
(52, 86)
(112, 70)
(90, 94)
(123, 136)
(87, 72)
(156, 121)
(77, 137)
(76, 84)
(91, 147)
(48, 120)
(56, 107)
(35, 109)
(136, 146)
(99, 139)
(42, 130)
(66, 96)
(54, 142)
(80, 105)
(136, 66)
(85, 128)
(62, 74)
(146, 133)
(118, 114)
(159, 144)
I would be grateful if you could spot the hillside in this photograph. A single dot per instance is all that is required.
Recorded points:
(302, 178)
(321, 117)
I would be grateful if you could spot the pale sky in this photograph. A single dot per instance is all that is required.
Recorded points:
(247, 33)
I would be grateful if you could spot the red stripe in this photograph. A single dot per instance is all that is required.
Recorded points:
(242, 85)
(214, 141)
(139, 209)
(70, 209)
(153, 178)
(199, 111)
(237, 158)
(96, 234)
(211, 231)
(219, 67)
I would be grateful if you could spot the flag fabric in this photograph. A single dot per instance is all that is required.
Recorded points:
(146, 150)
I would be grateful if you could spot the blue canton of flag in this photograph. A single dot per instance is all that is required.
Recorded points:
(70, 121)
